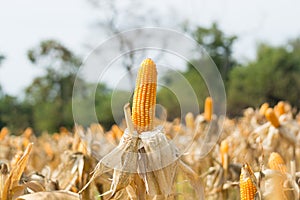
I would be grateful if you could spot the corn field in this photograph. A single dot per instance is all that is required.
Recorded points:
(256, 157)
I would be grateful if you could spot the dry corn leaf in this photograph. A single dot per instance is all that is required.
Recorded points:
(69, 172)
(194, 179)
(15, 174)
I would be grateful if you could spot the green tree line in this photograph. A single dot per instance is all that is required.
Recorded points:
(272, 76)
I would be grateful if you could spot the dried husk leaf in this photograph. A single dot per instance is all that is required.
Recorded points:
(158, 162)
(124, 158)
(272, 186)
(124, 176)
(54, 195)
(193, 178)
(35, 186)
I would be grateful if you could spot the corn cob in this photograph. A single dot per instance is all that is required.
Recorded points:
(224, 153)
(280, 108)
(263, 108)
(208, 109)
(190, 120)
(277, 163)
(116, 131)
(271, 117)
(27, 133)
(144, 99)
(4, 131)
(247, 185)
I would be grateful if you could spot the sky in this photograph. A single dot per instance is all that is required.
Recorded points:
(23, 24)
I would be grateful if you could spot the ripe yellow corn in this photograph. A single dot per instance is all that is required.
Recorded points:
(263, 108)
(247, 187)
(271, 117)
(208, 109)
(277, 163)
(144, 99)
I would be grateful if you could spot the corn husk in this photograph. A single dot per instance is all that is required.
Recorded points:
(55, 195)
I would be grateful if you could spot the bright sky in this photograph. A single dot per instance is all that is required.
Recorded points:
(23, 24)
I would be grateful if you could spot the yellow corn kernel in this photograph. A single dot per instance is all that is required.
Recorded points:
(271, 117)
(263, 109)
(190, 120)
(144, 99)
(277, 163)
(4, 131)
(247, 186)
(208, 109)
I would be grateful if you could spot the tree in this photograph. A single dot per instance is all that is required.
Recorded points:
(272, 77)
(14, 114)
(218, 45)
(51, 95)
(2, 57)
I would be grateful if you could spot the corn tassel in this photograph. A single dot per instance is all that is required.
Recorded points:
(208, 109)
(271, 117)
(277, 163)
(263, 109)
(144, 99)
(247, 186)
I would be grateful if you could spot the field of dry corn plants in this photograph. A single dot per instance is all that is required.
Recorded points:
(256, 156)
(254, 152)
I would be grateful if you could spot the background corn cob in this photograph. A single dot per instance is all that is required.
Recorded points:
(247, 187)
(208, 109)
(263, 108)
(277, 163)
(280, 108)
(144, 99)
(224, 153)
(4, 131)
(271, 117)
(190, 120)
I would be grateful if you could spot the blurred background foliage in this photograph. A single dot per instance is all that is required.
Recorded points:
(46, 104)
